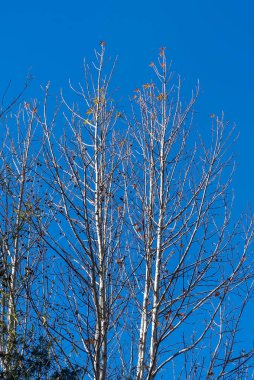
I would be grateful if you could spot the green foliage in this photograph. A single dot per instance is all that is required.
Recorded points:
(68, 374)
(36, 362)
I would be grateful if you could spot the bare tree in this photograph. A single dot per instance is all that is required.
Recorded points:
(28, 349)
(142, 271)
(21, 244)
(85, 175)
(191, 262)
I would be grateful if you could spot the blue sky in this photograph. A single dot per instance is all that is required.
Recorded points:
(207, 40)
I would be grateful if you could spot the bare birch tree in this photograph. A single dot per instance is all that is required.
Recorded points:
(85, 174)
(191, 262)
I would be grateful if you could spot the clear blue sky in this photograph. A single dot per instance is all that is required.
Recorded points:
(209, 41)
(212, 41)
